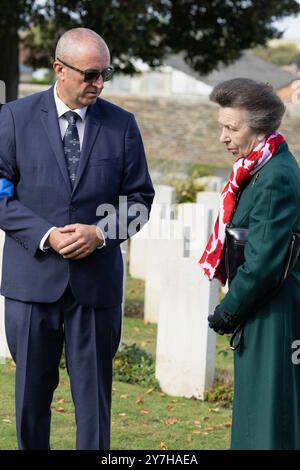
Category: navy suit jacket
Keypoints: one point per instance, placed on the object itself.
(31, 155)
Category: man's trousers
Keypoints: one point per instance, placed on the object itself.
(36, 334)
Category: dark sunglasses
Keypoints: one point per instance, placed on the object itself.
(91, 75)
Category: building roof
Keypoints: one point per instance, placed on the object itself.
(248, 65)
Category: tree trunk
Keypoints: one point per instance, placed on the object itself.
(9, 62)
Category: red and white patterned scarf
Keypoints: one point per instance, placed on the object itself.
(212, 260)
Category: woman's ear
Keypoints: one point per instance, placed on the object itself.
(260, 137)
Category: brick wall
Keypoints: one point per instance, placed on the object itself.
(186, 130)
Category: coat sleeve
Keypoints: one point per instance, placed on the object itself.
(271, 222)
(136, 192)
(18, 221)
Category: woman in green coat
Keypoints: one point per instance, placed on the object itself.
(263, 195)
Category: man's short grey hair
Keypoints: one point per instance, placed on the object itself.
(265, 108)
(72, 39)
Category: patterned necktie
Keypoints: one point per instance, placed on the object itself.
(72, 145)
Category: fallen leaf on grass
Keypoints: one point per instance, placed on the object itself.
(139, 400)
(62, 400)
(206, 418)
(198, 426)
(227, 424)
(122, 414)
(189, 438)
(214, 410)
(171, 421)
(124, 397)
(170, 407)
(60, 409)
(196, 423)
(145, 411)
(163, 446)
(222, 426)
(149, 391)
(6, 420)
(131, 291)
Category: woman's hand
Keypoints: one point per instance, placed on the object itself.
(217, 323)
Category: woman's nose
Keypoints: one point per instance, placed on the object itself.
(224, 137)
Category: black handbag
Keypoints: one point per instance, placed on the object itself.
(236, 239)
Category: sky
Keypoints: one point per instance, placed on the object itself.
(291, 25)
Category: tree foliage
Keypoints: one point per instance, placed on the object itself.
(207, 33)
(213, 32)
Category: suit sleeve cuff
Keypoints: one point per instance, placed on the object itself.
(101, 237)
(43, 240)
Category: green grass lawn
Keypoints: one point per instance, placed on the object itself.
(141, 418)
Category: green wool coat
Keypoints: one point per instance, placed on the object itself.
(266, 406)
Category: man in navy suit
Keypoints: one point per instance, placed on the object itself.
(80, 187)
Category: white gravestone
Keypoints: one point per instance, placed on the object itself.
(162, 208)
(212, 183)
(139, 243)
(4, 351)
(169, 245)
(210, 199)
(165, 195)
(185, 355)
(174, 239)
(194, 219)
(124, 251)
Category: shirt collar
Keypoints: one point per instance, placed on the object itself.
(62, 108)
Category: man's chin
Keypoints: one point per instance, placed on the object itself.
(89, 99)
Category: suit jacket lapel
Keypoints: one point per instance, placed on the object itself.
(50, 122)
(92, 128)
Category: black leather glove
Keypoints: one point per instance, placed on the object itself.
(217, 323)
